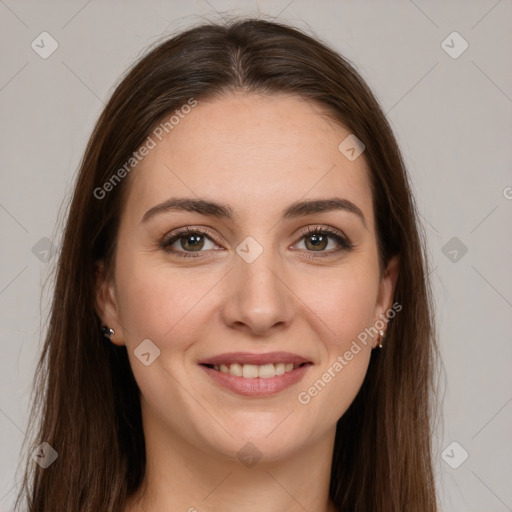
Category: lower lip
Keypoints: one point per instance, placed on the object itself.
(257, 387)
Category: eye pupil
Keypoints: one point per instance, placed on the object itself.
(190, 241)
(317, 240)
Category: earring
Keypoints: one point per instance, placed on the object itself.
(107, 331)
(381, 337)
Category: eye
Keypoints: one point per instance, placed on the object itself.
(188, 240)
(317, 238)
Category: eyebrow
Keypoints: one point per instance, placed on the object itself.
(224, 211)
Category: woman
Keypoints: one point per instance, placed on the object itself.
(241, 318)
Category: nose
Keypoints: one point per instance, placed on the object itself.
(258, 301)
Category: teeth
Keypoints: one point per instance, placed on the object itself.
(249, 371)
(252, 371)
(234, 369)
(267, 371)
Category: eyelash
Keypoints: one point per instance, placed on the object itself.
(344, 243)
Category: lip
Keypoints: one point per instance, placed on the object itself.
(256, 387)
(253, 358)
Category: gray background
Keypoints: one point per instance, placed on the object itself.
(452, 119)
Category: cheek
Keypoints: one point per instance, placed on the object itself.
(355, 306)
(168, 308)
(344, 302)
(346, 307)
(157, 302)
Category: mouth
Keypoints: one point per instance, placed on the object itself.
(253, 371)
(256, 374)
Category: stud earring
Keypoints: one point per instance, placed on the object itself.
(107, 331)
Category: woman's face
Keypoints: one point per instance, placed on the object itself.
(248, 293)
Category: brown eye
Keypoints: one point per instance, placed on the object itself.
(316, 242)
(187, 241)
(194, 242)
(325, 241)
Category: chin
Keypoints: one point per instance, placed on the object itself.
(262, 436)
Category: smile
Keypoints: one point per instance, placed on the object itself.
(256, 374)
(252, 371)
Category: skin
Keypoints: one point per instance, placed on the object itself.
(258, 154)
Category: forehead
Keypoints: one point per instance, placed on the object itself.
(257, 153)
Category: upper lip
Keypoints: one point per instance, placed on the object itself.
(257, 359)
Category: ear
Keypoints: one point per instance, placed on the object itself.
(387, 288)
(105, 303)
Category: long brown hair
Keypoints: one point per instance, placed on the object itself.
(86, 402)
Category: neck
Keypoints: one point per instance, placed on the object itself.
(180, 476)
